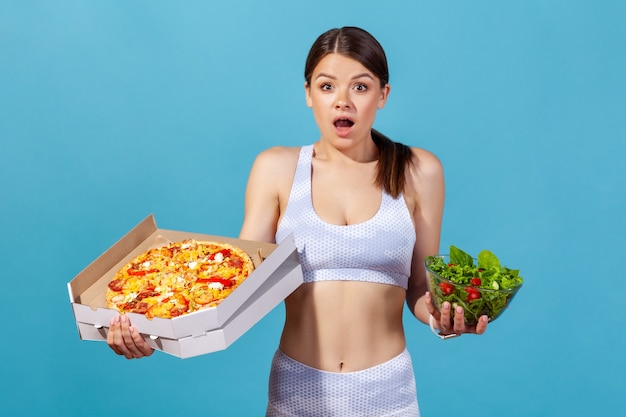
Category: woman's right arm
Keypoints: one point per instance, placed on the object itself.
(261, 212)
(271, 174)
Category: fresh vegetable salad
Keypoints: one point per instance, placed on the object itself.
(480, 285)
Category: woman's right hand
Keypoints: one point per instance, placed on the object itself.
(125, 340)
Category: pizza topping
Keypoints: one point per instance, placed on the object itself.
(218, 280)
(116, 285)
(146, 294)
(220, 255)
(202, 295)
(117, 298)
(141, 272)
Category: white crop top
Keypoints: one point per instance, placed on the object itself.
(377, 250)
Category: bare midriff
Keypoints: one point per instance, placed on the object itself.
(344, 326)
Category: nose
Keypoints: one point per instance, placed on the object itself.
(342, 105)
(342, 101)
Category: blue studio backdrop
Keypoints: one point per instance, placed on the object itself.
(112, 110)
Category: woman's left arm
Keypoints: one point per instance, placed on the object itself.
(426, 188)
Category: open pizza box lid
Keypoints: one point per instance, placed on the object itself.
(277, 273)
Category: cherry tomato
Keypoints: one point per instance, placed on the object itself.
(476, 281)
(446, 288)
(472, 293)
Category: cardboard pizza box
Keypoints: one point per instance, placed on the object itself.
(277, 274)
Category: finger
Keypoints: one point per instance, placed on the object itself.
(429, 303)
(481, 326)
(131, 351)
(141, 344)
(113, 334)
(444, 319)
(430, 307)
(110, 334)
(459, 320)
(435, 316)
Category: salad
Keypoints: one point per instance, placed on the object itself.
(480, 285)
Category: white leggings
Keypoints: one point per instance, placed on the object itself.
(298, 390)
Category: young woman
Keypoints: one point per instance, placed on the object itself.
(365, 212)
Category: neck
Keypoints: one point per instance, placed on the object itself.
(363, 151)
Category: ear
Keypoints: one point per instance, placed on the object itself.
(384, 94)
(307, 92)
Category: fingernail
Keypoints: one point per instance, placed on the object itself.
(446, 305)
(123, 319)
(459, 310)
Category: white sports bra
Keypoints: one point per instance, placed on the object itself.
(378, 250)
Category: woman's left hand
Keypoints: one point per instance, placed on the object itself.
(448, 326)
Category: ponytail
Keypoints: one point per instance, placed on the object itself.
(392, 161)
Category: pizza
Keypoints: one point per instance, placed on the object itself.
(178, 278)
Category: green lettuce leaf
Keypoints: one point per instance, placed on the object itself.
(487, 260)
(459, 257)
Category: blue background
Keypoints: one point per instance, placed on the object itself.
(111, 110)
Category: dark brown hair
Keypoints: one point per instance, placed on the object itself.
(361, 46)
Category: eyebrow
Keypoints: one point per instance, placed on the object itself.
(332, 77)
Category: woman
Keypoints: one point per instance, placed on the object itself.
(365, 212)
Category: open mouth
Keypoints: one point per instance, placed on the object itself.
(343, 123)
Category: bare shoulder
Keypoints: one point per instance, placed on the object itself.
(424, 180)
(273, 168)
(277, 159)
(280, 152)
(426, 166)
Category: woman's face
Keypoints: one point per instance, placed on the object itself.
(344, 96)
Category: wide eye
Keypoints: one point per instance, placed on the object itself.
(326, 87)
(360, 87)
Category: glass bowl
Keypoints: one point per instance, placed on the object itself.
(476, 301)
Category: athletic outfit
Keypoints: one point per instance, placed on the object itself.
(378, 250)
